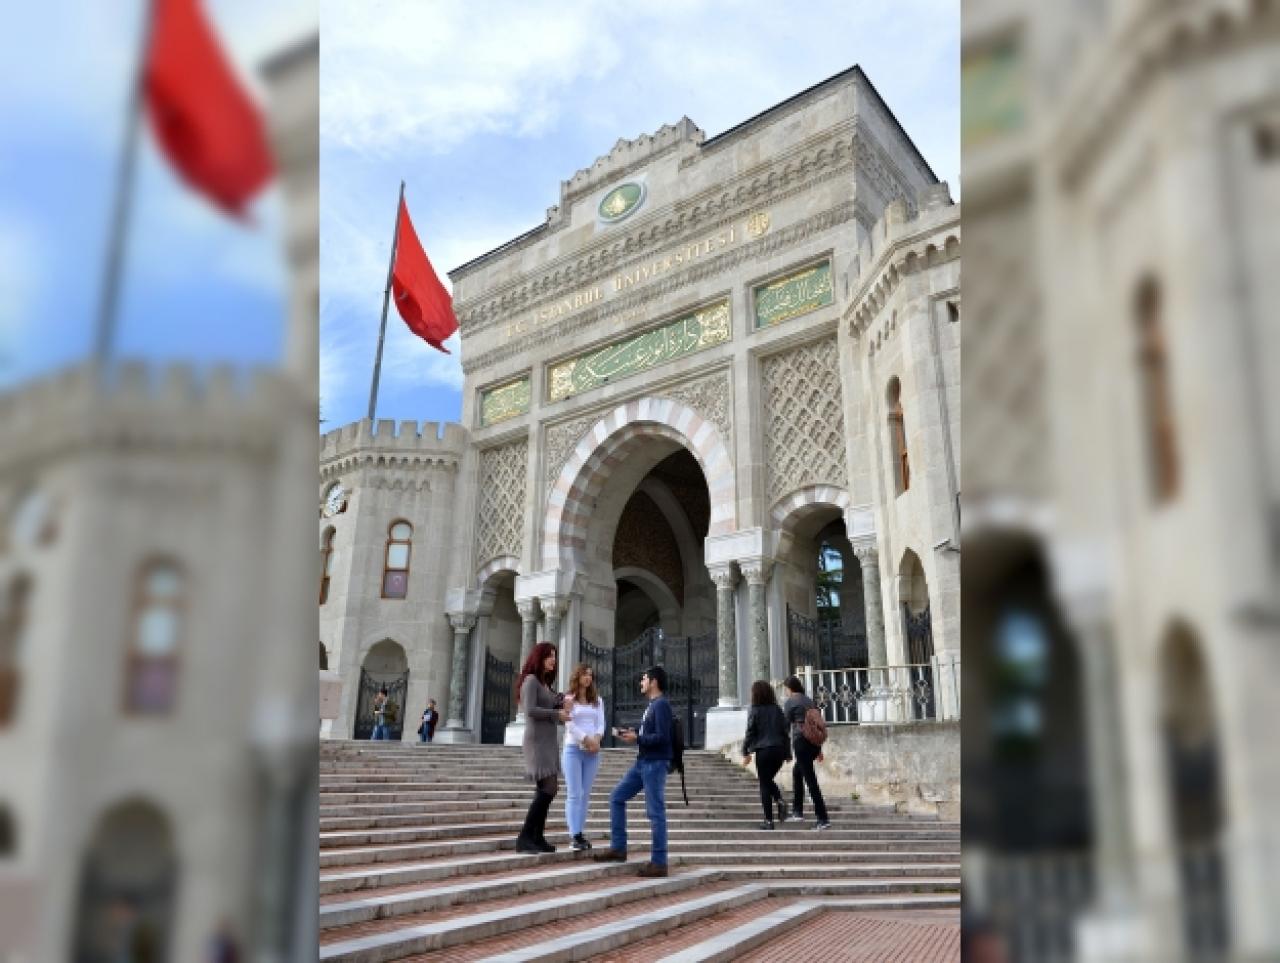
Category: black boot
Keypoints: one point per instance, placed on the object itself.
(543, 800)
(531, 839)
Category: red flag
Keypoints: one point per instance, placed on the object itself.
(421, 299)
(205, 122)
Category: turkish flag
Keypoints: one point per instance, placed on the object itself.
(420, 298)
(204, 121)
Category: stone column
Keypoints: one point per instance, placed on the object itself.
(727, 635)
(1124, 921)
(554, 607)
(756, 573)
(528, 609)
(869, 562)
(463, 623)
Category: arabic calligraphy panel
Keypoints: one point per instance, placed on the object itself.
(505, 401)
(796, 294)
(702, 329)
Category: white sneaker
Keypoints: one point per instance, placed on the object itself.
(795, 818)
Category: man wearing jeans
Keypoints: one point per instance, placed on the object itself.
(649, 773)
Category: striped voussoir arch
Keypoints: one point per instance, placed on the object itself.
(792, 508)
(606, 444)
(503, 563)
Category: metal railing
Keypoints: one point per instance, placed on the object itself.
(888, 693)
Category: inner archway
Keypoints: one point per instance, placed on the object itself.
(386, 666)
(502, 639)
(127, 887)
(822, 588)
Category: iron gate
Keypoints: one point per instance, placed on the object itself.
(495, 712)
(919, 632)
(693, 678)
(824, 644)
(397, 689)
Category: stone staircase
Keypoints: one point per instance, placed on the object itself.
(418, 862)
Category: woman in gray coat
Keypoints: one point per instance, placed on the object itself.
(541, 756)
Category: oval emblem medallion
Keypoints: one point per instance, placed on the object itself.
(621, 202)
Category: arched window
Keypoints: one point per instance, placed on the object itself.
(152, 670)
(898, 438)
(1153, 365)
(324, 658)
(395, 570)
(13, 623)
(326, 564)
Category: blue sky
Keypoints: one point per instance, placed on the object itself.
(485, 107)
(196, 286)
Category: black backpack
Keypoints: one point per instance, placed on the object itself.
(677, 754)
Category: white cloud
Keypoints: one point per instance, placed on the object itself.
(427, 76)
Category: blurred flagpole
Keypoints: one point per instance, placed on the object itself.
(386, 300)
(118, 229)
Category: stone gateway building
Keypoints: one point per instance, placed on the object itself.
(710, 418)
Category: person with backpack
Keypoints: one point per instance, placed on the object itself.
(430, 717)
(808, 733)
(768, 739)
(655, 739)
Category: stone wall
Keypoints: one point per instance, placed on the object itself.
(909, 768)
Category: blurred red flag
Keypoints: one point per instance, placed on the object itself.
(205, 122)
(421, 299)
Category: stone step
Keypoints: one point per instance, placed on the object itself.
(729, 829)
(463, 794)
(342, 911)
(390, 940)
(767, 845)
(371, 876)
(742, 811)
(436, 896)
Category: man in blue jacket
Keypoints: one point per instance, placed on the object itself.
(649, 773)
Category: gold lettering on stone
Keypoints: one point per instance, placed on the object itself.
(693, 332)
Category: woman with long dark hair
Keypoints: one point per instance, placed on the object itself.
(581, 757)
(538, 699)
(767, 738)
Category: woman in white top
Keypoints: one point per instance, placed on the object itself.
(581, 757)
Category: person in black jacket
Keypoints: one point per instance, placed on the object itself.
(767, 738)
(803, 774)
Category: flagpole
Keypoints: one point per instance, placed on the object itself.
(109, 296)
(386, 300)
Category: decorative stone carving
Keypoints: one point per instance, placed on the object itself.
(804, 419)
(500, 511)
(661, 290)
(709, 397)
(559, 442)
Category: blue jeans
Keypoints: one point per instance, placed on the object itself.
(651, 776)
(580, 768)
(380, 731)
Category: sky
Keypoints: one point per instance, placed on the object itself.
(196, 286)
(484, 106)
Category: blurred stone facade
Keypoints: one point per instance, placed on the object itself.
(1121, 488)
(157, 728)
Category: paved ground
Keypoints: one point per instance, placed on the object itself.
(929, 936)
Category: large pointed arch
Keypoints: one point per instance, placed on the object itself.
(605, 445)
